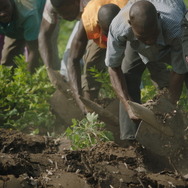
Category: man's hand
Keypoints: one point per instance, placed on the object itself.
(130, 112)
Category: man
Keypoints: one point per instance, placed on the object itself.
(94, 25)
(54, 10)
(20, 23)
(150, 31)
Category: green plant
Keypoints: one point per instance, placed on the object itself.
(87, 132)
(183, 102)
(148, 90)
(106, 90)
(24, 98)
(66, 28)
(186, 2)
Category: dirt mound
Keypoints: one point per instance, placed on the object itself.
(40, 162)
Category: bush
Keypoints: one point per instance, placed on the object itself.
(87, 132)
(24, 98)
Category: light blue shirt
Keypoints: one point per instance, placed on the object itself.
(171, 14)
(26, 20)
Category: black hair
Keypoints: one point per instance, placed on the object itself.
(106, 14)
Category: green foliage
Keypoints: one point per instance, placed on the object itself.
(183, 102)
(87, 132)
(64, 33)
(106, 90)
(186, 2)
(148, 90)
(24, 98)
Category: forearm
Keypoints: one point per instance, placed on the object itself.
(33, 60)
(46, 51)
(176, 86)
(33, 55)
(74, 72)
(119, 84)
(48, 43)
(77, 51)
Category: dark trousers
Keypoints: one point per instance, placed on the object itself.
(133, 68)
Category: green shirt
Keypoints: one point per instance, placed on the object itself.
(26, 20)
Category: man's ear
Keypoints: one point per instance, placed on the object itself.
(129, 22)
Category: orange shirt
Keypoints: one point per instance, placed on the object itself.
(89, 19)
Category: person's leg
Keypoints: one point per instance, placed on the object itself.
(133, 68)
(11, 48)
(94, 57)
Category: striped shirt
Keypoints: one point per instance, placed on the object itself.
(171, 14)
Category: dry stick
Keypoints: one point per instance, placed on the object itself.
(86, 165)
(141, 182)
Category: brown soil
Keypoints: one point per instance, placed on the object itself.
(43, 162)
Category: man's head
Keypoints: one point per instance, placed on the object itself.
(106, 14)
(144, 21)
(67, 9)
(6, 11)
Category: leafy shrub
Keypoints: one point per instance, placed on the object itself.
(148, 90)
(24, 98)
(87, 132)
(183, 102)
(106, 90)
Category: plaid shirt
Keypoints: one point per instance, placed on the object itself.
(171, 14)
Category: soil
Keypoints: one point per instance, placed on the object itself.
(32, 161)
(45, 162)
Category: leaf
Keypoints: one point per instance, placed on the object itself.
(92, 117)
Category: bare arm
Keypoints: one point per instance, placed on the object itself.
(33, 55)
(176, 86)
(119, 84)
(77, 50)
(48, 44)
